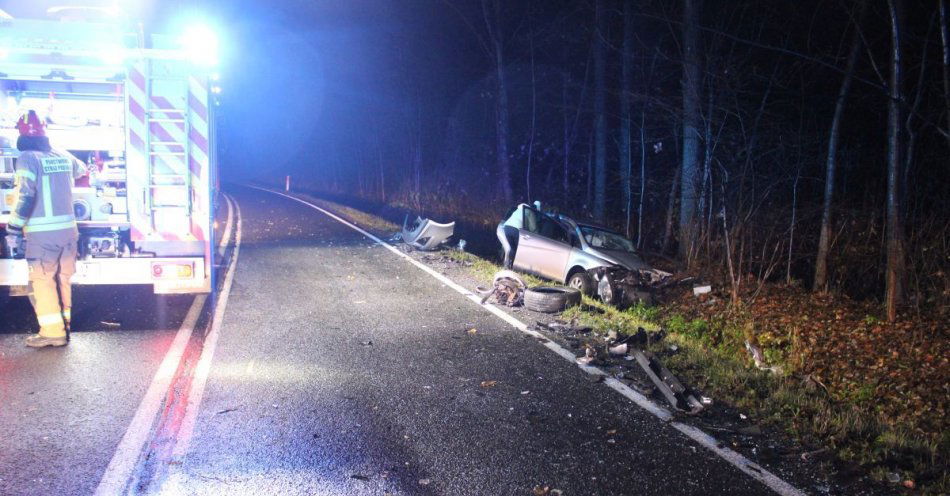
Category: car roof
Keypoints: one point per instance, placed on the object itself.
(585, 223)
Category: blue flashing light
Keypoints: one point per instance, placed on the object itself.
(200, 42)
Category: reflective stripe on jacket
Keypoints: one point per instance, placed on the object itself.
(48, 178)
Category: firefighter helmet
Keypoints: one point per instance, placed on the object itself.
(30, 124)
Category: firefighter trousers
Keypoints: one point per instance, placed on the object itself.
(51, 268)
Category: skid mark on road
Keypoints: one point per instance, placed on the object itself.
(203, 368)
(737, 460)
(121, 471)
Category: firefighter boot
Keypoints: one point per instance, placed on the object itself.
(38, 341)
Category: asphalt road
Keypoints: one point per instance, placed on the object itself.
(340, 369)
(64, 410)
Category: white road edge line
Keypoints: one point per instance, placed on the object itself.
(742, 463)
(119, 473)
(203, 367)
(226, 235)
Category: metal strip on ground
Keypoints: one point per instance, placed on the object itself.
(734, 458)
(121, 469)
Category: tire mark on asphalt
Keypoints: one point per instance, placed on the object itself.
(120, 474)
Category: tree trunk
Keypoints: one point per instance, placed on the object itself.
(565, 177)
(600, 117)
(626, 160)
(706, 181)
(501, 108)
(791, 227)
(824, 240)
(643, 174)
(534, 118)
(895, 245)
(670, 211)
(945, 40)
(691, 121)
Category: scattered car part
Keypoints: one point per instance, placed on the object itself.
(673, 390)
(618, 349)
(759, 359)
(507, 289)
(551, 299)
(589, 356)
(425, 234)
(699, 290)
(565, 327)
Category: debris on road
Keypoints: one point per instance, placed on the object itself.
(562, 327)
(110, 323)
(589, 356)
(425, 234)
(618, 350)
(676, 394)
(366, 343)
(488, 384)
(507, 289)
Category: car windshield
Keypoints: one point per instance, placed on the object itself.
(600, 238)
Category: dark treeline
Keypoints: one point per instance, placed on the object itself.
(803, 141)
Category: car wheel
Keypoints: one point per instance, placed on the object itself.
(551, 299)
(582, 282)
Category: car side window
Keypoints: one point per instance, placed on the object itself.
(531, 220)
(552, 230)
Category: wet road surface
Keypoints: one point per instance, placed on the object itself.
(339, 369)
(342, 369)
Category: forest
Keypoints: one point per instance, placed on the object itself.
(804, 142)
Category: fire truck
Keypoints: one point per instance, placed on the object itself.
(139, 110)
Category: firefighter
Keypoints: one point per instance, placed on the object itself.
(43, 213)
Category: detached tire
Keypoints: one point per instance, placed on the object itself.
(551, 299)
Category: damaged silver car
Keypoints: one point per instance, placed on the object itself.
(582, 255)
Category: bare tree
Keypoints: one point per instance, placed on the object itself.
(493, 24)
(534, 120)
(895, 246)
(626, 159)
(600, 117)
(945, 40)
(692, 80)
(824, 241)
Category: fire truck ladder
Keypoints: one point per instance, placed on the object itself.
(163, 148)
